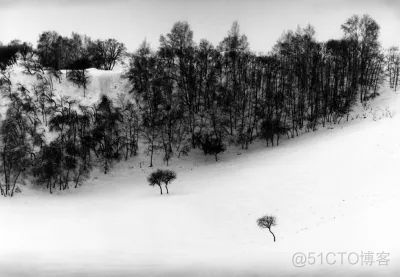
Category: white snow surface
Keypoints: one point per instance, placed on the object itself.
(333, 190)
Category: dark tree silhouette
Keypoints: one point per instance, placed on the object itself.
(8, 56)
(78, 74)
(106, 53)
(156, 178)
(212, 146)
(106, 133)
(267, 222)
(393, 67)
(144, 78)
(47, 166)
(167, 177)
(14, 149)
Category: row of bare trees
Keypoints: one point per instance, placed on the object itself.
(58, 52)
(197, 95)
(393, 67)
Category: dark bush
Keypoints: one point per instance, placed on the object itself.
(8, 56)
(212, 145)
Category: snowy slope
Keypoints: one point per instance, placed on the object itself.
(332, 190)
(100, 82)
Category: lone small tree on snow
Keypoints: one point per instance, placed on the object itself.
(156, 178)
(267, 222)
(167, 177)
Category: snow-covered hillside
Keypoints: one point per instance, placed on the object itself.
(99, 82)
(335, 190)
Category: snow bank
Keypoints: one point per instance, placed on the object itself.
(335, 190)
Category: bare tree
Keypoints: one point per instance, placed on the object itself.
(267, 221)
(78, 73)
(156, 178)
(14, 149)
(106, 53)
(167, 177)
(393, 66)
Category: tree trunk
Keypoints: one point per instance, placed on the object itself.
(151, 153)
(160, 189)
(1, 189)
(14, 184)
(272, 233)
